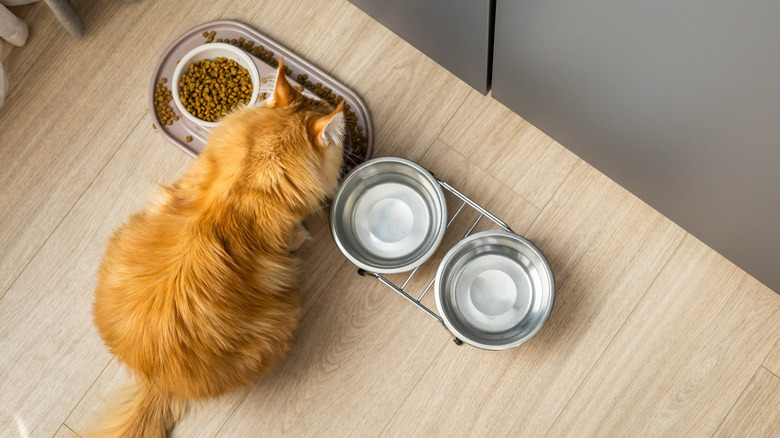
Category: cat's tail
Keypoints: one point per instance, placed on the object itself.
(139, 410)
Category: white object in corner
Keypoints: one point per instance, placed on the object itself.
(3, 78)
(12, 28)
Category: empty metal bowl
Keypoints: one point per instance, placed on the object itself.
(494, 290)
(389, 215)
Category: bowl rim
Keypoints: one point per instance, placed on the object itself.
(184, 63)
(438, 289)
(440, 230)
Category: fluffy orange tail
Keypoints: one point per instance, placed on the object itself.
(139, 411)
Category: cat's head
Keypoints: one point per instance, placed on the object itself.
(290, 148)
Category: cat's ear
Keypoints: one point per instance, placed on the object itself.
(329, 130)
(283, 93)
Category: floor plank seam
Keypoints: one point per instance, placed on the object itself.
(411, 390)
(554, 194)
(601, 354)
(56, 227)
(733, 405)
(774, 348)
(67, 213)
(365, 25)
(565, 178)
(230, 415)
(770, 371)
(26, 265)
(446, 124)
(73, 431)
(65, 422)
(14, 85)
(679, 245)
(501, 183)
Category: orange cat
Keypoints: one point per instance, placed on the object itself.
(196, 295)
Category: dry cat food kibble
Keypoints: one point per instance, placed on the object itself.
(212, 88)
(359, 142)
(162, 103)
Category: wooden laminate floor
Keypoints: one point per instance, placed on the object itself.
(652, 334)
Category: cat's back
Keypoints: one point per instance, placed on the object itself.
(139, 277)
(172, 304)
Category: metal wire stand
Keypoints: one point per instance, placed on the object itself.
(401, 290)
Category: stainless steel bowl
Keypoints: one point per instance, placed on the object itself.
(389, 215)
(494, 290)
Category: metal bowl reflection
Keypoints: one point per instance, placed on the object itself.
(389, 215)
(494, 290)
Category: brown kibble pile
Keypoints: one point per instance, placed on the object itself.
(209, 36)
(162, 103)
(359, 142)
(212, 88)
(249, 46)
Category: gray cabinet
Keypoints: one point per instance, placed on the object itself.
(454, 33)
(677, 101)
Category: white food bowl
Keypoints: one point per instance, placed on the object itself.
(211, 51)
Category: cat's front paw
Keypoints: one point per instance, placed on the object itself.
(298, 237)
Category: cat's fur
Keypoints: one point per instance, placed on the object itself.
(196, 295)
